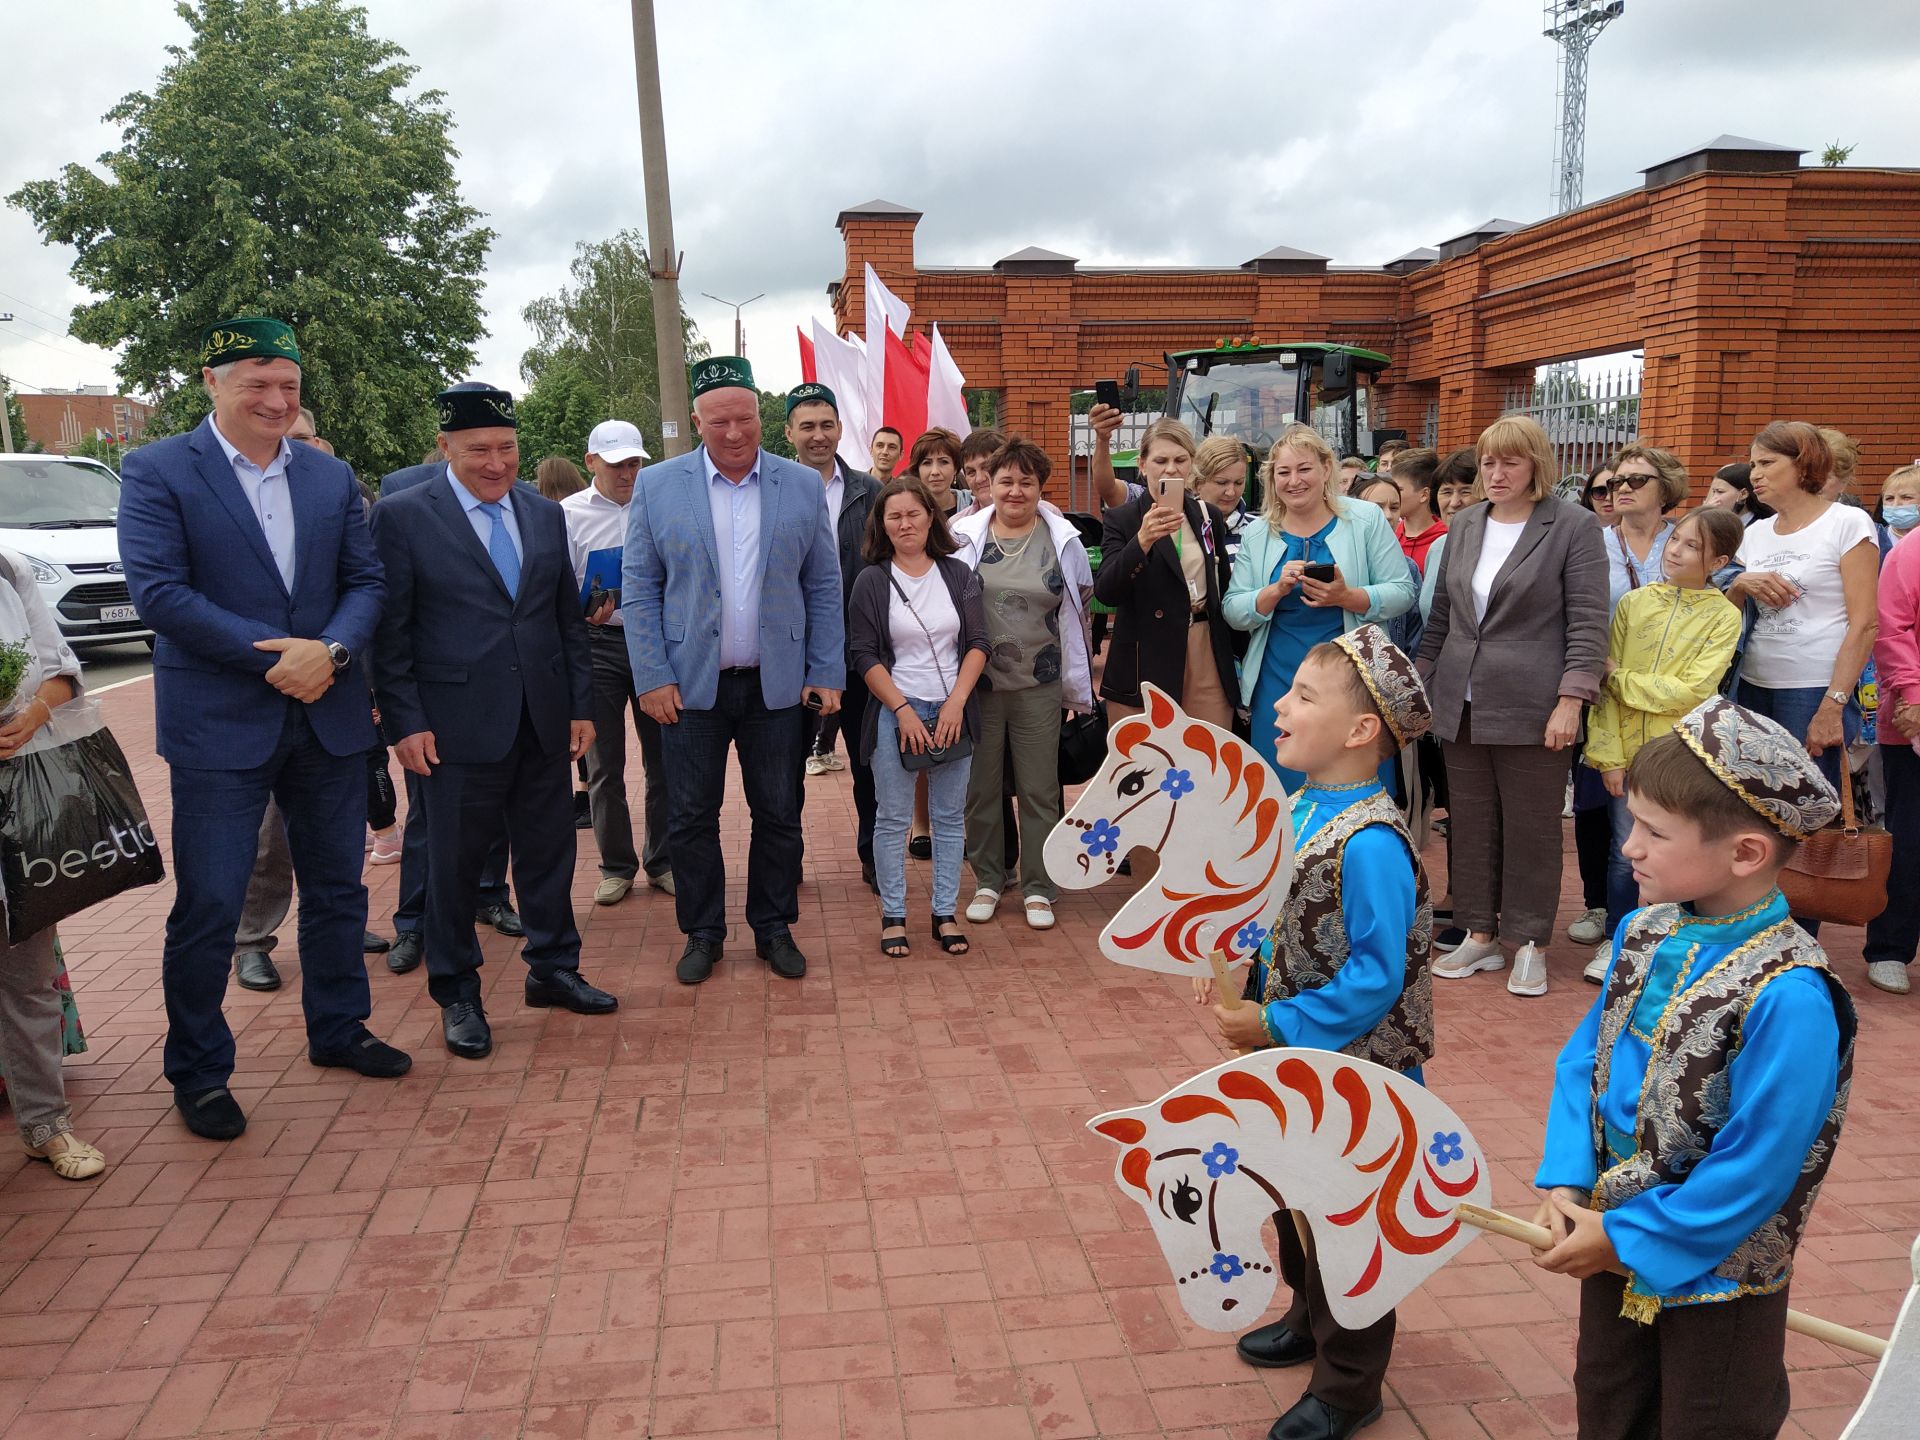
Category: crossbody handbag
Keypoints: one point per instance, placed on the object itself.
(1839, 874)
(933, 755)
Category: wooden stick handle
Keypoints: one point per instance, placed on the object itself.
(1540, 1238)
(1224, 984)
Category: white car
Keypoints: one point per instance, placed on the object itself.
(60, 514)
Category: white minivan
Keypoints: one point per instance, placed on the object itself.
(61, 513)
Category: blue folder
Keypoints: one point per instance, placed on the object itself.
(603, 570)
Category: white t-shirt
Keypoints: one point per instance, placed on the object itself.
(1792, 648)
(916, 670)
(1501, 536)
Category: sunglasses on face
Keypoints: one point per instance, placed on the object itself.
(1633, 482)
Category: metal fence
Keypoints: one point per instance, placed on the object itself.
(1586, 417)
(1080, 495)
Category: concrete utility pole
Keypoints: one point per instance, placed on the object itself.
(676, 422)
(739, 334)
(6, 424)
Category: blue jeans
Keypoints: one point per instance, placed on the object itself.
(893, 816)
(1623, 896)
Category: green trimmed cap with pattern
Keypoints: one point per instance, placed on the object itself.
(721, 372)
(248, 337)
(811, 393)
(474, 405)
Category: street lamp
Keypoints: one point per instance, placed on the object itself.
(739, 337)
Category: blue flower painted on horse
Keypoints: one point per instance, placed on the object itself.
(1177, 783)
(1249, 936)
(1223, 1159)
(1101, 838)
(1446, 1147)
(1226, 1268)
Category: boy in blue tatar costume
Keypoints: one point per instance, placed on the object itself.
(1345, 970)
(1697, 1107)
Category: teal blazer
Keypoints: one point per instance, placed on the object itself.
(1364, 547)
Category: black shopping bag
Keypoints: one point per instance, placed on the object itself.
(73, 832)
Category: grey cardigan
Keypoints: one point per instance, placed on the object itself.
(870, 635)
(1544, 635)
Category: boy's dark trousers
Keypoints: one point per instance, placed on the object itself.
(1699, 1372)
(1348, 1365)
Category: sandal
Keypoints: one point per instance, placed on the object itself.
(894, 946)
(71, 1157)
(952, 944)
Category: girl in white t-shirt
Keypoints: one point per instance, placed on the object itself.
(1811, 570)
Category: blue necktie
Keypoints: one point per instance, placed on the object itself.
(500, 546)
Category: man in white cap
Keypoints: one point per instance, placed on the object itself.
(596, 533)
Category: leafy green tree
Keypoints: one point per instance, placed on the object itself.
(279, 166)
(773, 424)
(558, 413)
(602, 324)
(1836, 154)
(93, 447)
(16, 418)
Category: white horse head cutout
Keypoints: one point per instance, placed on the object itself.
(1215, 814)
(1373, 1161)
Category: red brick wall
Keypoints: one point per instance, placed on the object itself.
(1752, 296)
(45, 416)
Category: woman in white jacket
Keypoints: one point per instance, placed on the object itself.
(1035, 580)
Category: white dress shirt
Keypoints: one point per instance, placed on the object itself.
(481, 521)
(593, 523)
(736, 534)
(267, 492)
(836, 494)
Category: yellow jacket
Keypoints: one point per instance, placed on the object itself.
(1669, 650)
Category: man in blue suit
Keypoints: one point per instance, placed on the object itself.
(731, 595)
(250, 560)
(494, 905)
(485, 686)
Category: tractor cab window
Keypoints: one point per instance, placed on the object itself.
(1250, 401)
(1344, 418)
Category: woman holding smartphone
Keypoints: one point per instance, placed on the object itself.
(1321, 565)
(1164, 570)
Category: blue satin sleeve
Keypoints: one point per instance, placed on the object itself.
(1781, 1088)
(1568, 1156)
(1376, 906)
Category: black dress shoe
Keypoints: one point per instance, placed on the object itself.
(921, 847)
(1274, 1347)
(502, 918)
(372, 944)
(212, 1114)
(1313, 1419)
(697, 961)
(568, 990)
(254, 970)
(783, 957)
(364, 1054)
(407, 952)
(465, 1026)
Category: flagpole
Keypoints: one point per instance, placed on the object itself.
(663, 261)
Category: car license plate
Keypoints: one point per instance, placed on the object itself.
(118, 612)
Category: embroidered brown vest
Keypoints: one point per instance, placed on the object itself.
(1684, 1102)
(1310, 936)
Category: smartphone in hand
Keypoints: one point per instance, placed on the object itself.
(1322, 573)
(1107, 392)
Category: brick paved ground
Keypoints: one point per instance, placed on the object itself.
(862, 1206)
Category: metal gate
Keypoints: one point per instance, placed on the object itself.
(1586, 416)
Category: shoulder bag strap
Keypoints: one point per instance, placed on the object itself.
(932, 644)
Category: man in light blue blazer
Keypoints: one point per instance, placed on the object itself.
(250, 559)
(731, 597)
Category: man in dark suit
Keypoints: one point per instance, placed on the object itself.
(493, 904)
(250, 560)
(485, 686)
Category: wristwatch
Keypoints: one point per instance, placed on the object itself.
(341, 657)
(1839, 697)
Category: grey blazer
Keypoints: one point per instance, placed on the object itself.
(1545, 632)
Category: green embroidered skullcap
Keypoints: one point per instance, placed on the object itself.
(720, 372)
(475, 405)
(811, 393)
(248, 337)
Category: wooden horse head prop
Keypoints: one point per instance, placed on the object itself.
(1214, 813)
(1374, 1162)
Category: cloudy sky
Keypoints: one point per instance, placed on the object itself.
(1200, 133)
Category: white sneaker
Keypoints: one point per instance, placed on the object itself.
(1469, 957)
(1039, 913)
(1596, 971)
(832, 761)
(1890, 976)
(1529, 975)
(1590, 928)
(980, 909)
(816, 764)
